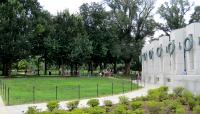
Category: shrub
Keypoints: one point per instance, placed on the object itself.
(182, 100)
(123, 100)
(154, 107)
(96, 110)
(32, 110)
(187, 95)
(72, 105)
(56, 111)
(136, 104)
(77, 111)
(172, 105)
(119, 109)
(159, 94)
(178, 91)
(180, 110)
(138, 111)
(52, 105)
(93, 102)
(142, 98)
(196, 110)
(192, 103)
(197, 98)
(108, 103)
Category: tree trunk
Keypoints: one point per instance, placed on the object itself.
(91, 68)
(38, 65)
(104, 65)
(76, 70)
(101, 67)
(127, 68)
(3, 70)
(62, 68)
(88, 68)
(71, 70)
(59, 66)
(45, 66)
(115, 68)
(7, 69)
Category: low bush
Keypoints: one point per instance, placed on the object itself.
(196, 110)
(180, 110)
(138, 111)
(171, 105)
(123, 100)
(119, 109)
(136, 104)
(56, 111)
(187, 95)
(142, 98)
(77, 111)
(154, 107)
(197, 98)
(178, 91)
(159, 94)
(108, 103)
(96, 110)
(72, 105)
(52, 105)
(93, 102)
(32, 110)
(182, 100)
(192, 103)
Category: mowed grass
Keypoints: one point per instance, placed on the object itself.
(21, 90)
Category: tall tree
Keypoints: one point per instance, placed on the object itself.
(43, 28)
(173, 13)
(15, 31)
(70, 42)
(134, 21)
(195, 17)
(94, 16)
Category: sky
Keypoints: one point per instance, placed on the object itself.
(54, 6)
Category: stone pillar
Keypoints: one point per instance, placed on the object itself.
(178, 57)
(145, 68)
(192, 56)
(165, 56)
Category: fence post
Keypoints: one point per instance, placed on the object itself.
(1, 86)
(5, 91)
(97, 89)
(131, 86)
(112, 88)
(79, 92)
(56, 92)
(8, 96)
(2, 89)
(123, 87)
(33, 94)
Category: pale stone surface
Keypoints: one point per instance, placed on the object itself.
(169, 68)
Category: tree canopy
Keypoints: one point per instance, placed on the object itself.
(94, 37)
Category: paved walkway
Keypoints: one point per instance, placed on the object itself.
(19, 109)
(3, 109)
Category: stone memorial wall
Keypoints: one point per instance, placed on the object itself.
(174, 60)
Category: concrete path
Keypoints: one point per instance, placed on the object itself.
(3, 109)
(19, 109)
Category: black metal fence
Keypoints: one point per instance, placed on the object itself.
(38, 94)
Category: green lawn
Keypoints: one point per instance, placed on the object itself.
(21, 89)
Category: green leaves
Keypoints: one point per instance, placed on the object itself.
(173, 13)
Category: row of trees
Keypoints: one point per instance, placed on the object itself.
(93, 37)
